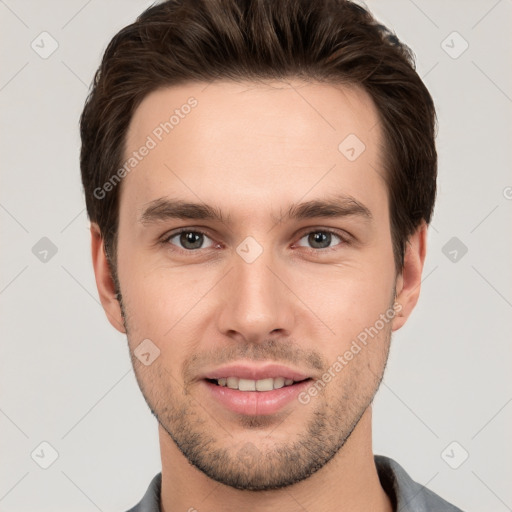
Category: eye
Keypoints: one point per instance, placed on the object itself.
(189, 239)
(192, 240)
(321, 238)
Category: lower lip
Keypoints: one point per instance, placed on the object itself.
(254, 403)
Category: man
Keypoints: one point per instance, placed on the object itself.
(259, 178)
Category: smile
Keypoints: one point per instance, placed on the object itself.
(254, 385)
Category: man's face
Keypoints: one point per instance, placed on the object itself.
(261, 288)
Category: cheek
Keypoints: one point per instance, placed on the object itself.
(347, 300)
(166, 305)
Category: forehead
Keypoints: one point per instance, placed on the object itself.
(236, 141)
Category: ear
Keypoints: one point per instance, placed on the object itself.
(104, 280)
(408, 283)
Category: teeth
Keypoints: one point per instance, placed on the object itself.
(279, 382)
(264, 384)
(247, 385)
(255, 385)
(232, 382)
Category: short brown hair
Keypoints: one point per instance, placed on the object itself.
(330, 41)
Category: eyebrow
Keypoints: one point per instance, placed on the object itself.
(336, 206)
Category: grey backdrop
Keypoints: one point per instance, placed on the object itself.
(444, 409)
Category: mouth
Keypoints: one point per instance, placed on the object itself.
(241, 396)
(254, 389)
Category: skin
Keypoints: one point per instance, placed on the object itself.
(253, 149)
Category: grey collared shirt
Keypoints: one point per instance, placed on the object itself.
(405, 494)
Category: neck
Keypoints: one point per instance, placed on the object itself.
(348, 482)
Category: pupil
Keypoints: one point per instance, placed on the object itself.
(319, 237)
(189, 237)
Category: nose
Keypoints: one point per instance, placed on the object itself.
(256, 301)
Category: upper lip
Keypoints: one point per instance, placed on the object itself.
(253, 372)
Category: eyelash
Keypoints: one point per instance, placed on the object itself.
(345, 239)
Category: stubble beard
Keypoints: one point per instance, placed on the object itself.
(247, 465)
